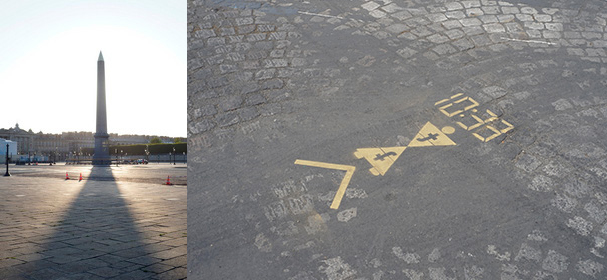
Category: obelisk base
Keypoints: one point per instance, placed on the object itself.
(102, 150)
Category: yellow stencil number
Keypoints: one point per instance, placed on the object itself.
(459, 105)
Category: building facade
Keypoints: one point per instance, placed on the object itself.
(129, 139)
(67, 144)
(23, 137)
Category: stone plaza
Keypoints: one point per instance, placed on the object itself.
(118, 222)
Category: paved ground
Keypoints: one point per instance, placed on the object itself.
(468, 136)
(118, 223)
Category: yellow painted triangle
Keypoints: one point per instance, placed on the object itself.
(380, 158)
(430, 135)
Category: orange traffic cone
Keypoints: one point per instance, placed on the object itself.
(168, 180)
(80, 177)
(67, 177)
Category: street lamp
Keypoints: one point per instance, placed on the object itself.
(7, 174)
(147, 153)
(174, 155)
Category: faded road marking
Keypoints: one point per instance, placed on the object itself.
(320, 15)
(346, 215)
(336, 269)
(529, 41)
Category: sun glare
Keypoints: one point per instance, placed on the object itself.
(55, 85)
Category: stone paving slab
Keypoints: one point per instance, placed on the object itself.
(52, 228)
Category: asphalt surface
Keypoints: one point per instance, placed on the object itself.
(503, 181)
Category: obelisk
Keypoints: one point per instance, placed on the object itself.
(102, 153)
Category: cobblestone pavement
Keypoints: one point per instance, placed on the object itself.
(103, 227)
(520, 196)
(153, 173)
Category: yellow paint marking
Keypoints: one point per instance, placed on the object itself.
(479, 137)
(510, 126)
(472, 105)
(447, 130)
(430, 135)
(380, 158)
(460, 110)
(489, 138)
(452, 97)
(478, 123)
(442, 109)
(344, 183)
(492, 118)
(496, 132)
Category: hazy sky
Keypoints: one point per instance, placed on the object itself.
(48, 65)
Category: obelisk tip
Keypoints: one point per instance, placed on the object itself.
(100, 56)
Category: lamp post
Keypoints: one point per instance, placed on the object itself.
(7, 174)
(147, 154)
(174, 155)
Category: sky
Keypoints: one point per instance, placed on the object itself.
(48, 65)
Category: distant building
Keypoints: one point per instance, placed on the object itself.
(60, 146)
(12, 149)
(50, 144)
(129, 139)
(23, 137)
(78, 140)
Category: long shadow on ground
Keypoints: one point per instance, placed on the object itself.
(97, 238)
